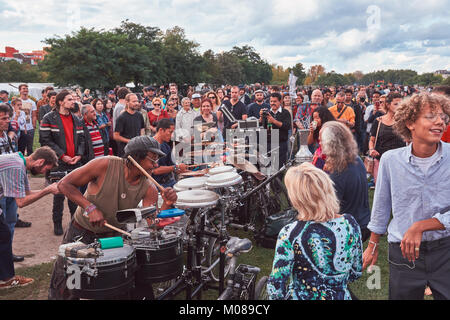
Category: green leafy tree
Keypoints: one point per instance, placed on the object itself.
(254, 68)
(182, 60)
(13, 71)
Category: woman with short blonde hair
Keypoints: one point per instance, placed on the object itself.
(321, 252)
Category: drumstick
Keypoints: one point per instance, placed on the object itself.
(197, 165)
(117, 229)
(146, 173)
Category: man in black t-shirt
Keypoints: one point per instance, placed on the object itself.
(129, 124)
(236, 107)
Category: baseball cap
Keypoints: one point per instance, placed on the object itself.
(196, 95)
(149, 88)
(111, 92)
(259, 91)
(144, 143)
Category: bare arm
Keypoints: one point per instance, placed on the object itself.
(119, 138)
(32, 196)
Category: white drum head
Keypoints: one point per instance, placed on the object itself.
(221, 169)
(190, 183)
(223, 180)
(196, 198)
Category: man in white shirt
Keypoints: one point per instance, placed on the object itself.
(29, 107)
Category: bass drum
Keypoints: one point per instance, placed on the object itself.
(159, 256)
(110, 276)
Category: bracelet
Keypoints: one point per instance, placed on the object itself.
(374, 247)
(89, 209)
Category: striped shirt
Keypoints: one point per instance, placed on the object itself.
(97, 141)
(13, 176)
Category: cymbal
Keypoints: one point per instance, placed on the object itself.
(242, 163)
(197, 173)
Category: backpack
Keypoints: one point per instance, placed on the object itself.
(273, 224)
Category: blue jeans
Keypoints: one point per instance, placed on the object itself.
(9, 208)
(6, 257)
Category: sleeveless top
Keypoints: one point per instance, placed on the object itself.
(114, 194)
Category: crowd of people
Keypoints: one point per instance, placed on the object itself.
(402, 129)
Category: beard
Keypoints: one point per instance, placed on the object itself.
(36, 170)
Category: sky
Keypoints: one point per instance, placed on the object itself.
(343, 36)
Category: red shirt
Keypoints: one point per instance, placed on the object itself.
(67, 122)
(446, 135)
(153, 119)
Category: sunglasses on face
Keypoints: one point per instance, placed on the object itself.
(156, 104)
(154, 161)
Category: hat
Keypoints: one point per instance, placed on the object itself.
(111, 92)
(149, 88)
(259, 91)
(143, 143)
(196, 95)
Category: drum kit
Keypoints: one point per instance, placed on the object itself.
(153, 252)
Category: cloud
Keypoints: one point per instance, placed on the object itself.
(343, 36)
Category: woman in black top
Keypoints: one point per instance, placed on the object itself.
(387, 139)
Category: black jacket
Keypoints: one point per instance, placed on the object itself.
(51, 133)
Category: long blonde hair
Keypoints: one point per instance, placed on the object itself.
(311, 192)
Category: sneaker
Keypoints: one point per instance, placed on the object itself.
(22, 224)
(16, 281)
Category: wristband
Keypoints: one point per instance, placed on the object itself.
(375, 244)
(89, 209)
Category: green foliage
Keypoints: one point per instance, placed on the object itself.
(13, 71)
(280, 75)
(101, 59)
(446, 82)
(299, 72)
(389, 76)
(426, 79)
(333, 79)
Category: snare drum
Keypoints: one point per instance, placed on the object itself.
(159, 256)
(110, 275)
(223, 180)
(190, 184)
(196, 199)
(221, 169)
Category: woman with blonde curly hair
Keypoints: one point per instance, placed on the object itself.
(347, 171)
(413, 188)
(321, 252)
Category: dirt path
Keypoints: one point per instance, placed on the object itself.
(38, 243)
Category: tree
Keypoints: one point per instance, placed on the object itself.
(13, 71)
(230, 69)
(315, 71)
(299, 72)
(182, 60)
(280, 75)
(332, 79)
(99, 60)
(254, 68)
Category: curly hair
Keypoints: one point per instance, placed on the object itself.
(411, 108)
(338, 145)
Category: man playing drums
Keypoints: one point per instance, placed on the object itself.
(113, 184)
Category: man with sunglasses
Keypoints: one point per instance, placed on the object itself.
(413, 188)
(342, 112)
(112, 184)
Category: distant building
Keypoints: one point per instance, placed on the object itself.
(30, 58)
(444, 73)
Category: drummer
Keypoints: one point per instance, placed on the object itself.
(113, 184)
(165, 173)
